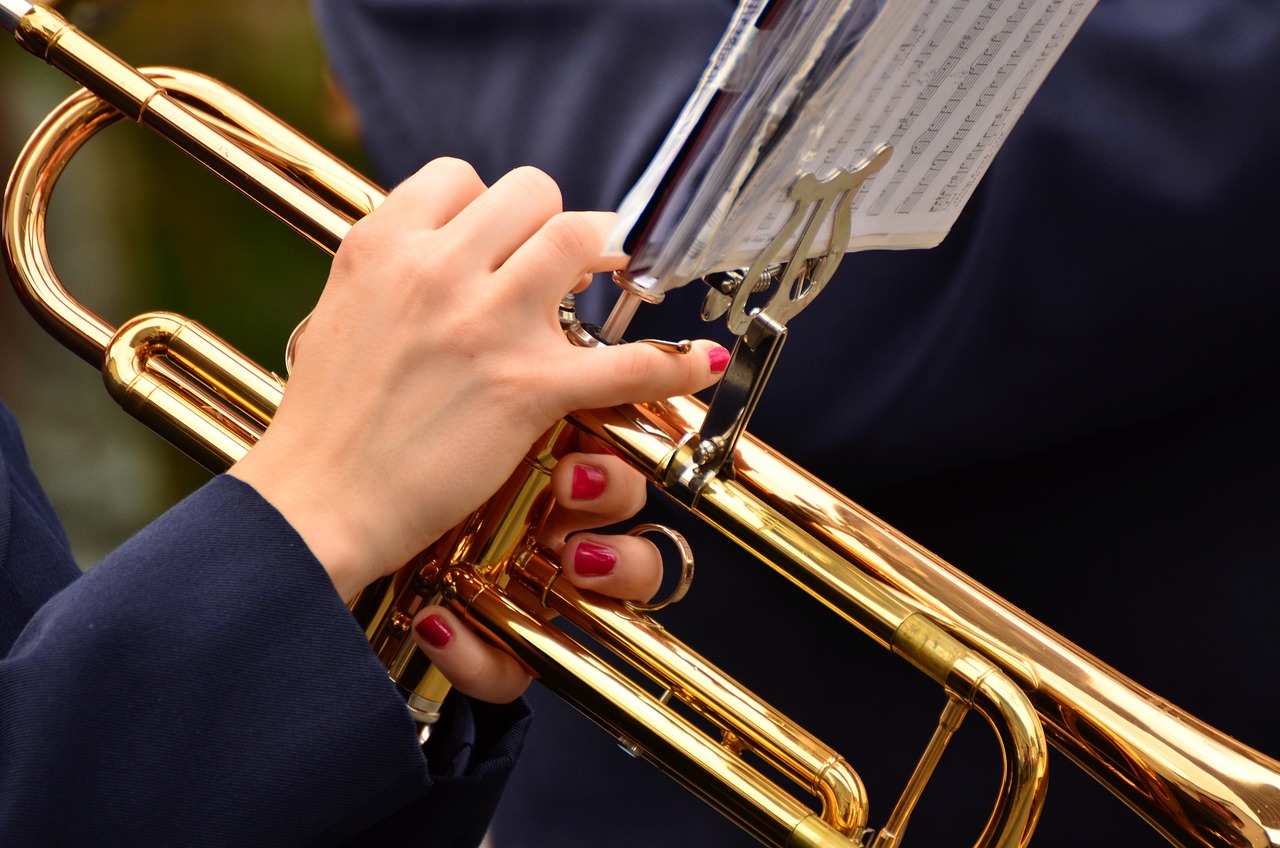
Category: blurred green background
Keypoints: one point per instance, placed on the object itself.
(136, 226)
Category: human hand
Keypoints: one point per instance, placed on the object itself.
(590, 490)
(434, 359)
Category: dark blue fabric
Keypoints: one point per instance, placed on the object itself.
(204, 685)
(28, 527)
(1074, 397)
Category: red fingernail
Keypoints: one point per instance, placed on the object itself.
(434, 631)
(588, 482)
(592, 560)
(719, 358)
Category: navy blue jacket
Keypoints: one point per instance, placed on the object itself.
(204, 685)
(1074, 397)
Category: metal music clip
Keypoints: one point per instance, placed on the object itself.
(797, 280)
(790, 285)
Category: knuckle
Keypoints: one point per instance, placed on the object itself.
(450, 168)
(362, 235)
(537, 186)
(571, 238)
(439, 257)
(629, 489)
(366, 240)
(643, 370)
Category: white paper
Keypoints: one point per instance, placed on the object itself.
(942, 81)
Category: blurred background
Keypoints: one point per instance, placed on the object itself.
(137, 226)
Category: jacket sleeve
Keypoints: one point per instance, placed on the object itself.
(204, 685)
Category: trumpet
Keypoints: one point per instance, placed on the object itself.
(1191, 782)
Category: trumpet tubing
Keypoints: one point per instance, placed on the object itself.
(1194, 784)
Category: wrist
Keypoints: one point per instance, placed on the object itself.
(334, 535)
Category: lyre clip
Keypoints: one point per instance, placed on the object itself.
(789, 266)
(793, 282)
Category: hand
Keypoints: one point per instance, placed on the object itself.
(434, 359)
(591, 490)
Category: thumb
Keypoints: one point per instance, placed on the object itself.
(635, 373)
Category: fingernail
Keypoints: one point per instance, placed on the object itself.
(433, 629)
(592, 560)
(588, 482)
(719, 358)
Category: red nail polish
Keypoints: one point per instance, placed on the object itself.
(592, 560)
(588, 482)
(433, 629)
(719, 358)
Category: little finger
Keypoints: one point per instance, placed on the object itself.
(473, 666)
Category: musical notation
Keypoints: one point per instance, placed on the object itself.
(802, 87)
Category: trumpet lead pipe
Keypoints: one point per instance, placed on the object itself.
(12, 11)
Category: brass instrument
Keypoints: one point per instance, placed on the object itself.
(1194, 784)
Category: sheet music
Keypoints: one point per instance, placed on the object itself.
(942, 81)
(755, 76)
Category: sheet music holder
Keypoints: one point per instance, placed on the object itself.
(819, 127)
(811, 88)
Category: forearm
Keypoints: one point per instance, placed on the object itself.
(203, 685)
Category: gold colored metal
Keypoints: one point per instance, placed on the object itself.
(1196, 785)
(948, 723)
(686, 567)
(1193, 783)
(682, 346)
(709, 693)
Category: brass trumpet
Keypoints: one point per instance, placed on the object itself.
(1193, 783)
